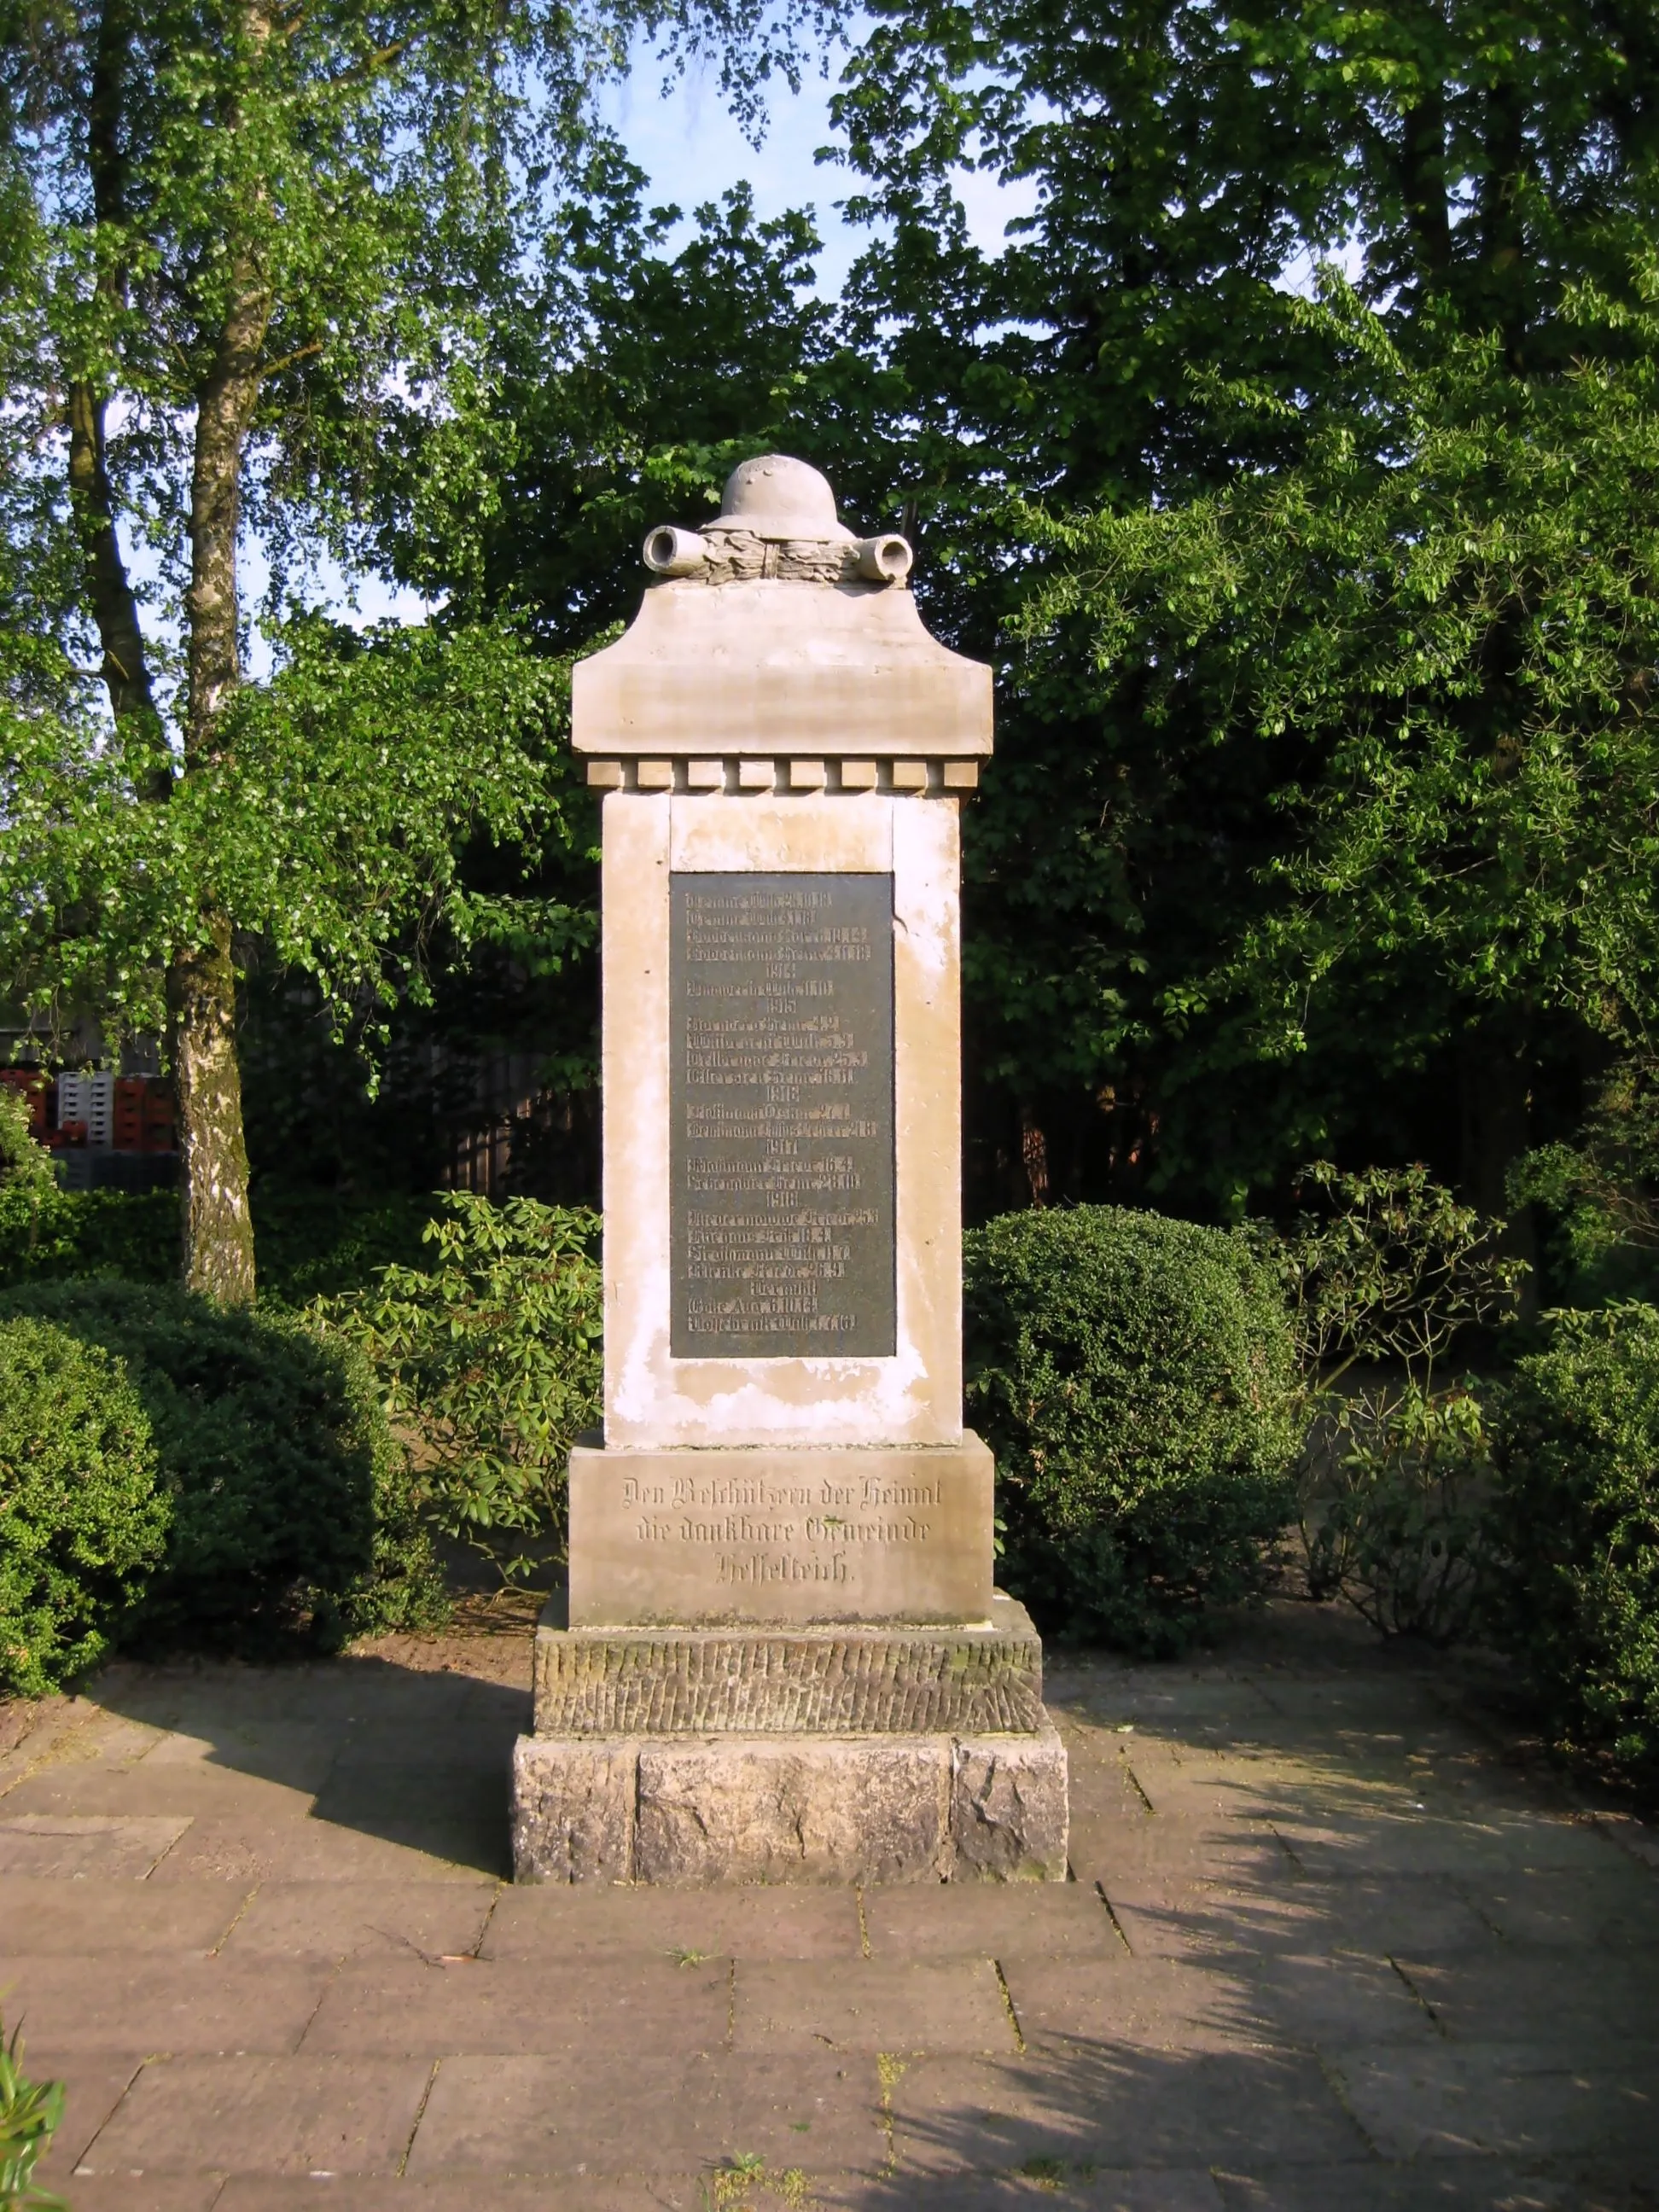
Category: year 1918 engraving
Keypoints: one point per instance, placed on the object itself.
(781, 1098)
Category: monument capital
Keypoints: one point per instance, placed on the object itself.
(773, 641)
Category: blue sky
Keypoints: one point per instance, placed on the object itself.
(692, 150)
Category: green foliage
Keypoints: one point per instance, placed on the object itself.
(1576, 1509)
(292, 1507)
(491, 1358)
(1135, 1378)
(323, 1243)
(1381, 1281)
(1603, 1190)
(633, 378)
(82, 1521)
(244, 244)
(1392, 1269)
(1445, 608)
(131, 1235)
(25, 1166)
(1135, 346)
(312, 1242)
(329, 824)
(1396, 1522)
(31, 2113)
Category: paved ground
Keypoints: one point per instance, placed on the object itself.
(1327, 1946)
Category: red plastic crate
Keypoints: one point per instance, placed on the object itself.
(130, 1120)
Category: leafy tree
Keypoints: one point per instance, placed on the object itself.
(1472, 163)
(630, 380)
(242, 238)
(1446, 607)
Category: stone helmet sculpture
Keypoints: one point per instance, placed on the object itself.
(778, 519)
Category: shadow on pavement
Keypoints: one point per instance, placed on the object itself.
(411, 1755)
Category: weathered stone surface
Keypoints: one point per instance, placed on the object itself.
(913, 1395)
(1009, 1820)
(761, 1809)
(683, 1538)
(841, 1681)
(698, 1812)
(725, 671)
(573, 1810)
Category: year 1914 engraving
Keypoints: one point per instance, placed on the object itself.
(781, 1098)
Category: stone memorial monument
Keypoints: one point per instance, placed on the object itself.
(783, 1658)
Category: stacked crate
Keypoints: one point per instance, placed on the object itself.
(113, 1130)
(89, 1100)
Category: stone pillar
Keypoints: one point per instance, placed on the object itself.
(783, 1658)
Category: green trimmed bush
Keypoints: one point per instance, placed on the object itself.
(1136, 1378)
(293, 1508)
(1575, 1442)
(82, 1521)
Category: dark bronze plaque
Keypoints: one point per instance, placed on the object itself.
(780, 1090)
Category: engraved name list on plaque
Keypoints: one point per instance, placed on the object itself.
(781, 1104)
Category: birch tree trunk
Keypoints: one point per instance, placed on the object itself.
(217, 1226)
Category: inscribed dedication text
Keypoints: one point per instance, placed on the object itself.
(781, 1100)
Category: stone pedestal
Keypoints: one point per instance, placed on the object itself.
(817, 1754)
(782, 1659)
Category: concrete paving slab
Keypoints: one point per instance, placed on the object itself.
(323, 1921)
(1111, 1850)
(411, 1749)
(481, 2007)
(1472, 1850)
(1564, 1998)
(460, 2193)
(1508, 2098)
(197, 1788)
(870, 2005)
(1174, 2003)
(297, 1755)
(1118, 2105)
(102, 1914)
(1310, 1821)
(660, 2115)
(285, 2115)
(60, 1843)
(130, 2003)
(1377, 1915)
(1052, 2183)
(297, 1849)
(545, 1922)
(93, 2088)
(1610, 1910)
(145, 2192)
(1036, 1920)
(1461, 2185)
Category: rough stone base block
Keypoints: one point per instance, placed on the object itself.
(774, 1681)
(695, 1812)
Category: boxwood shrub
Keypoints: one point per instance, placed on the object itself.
(291, 1506)
(1136, 1378)
(1575, 1513)
(82, 1521)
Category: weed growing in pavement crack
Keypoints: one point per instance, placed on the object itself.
(738, 2184)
